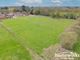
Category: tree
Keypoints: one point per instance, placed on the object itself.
(25, 8)
(37, 12)
(4, 9)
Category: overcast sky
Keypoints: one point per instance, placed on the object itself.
(40, 2)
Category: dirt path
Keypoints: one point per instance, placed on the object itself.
(56, 52)
(19, 40)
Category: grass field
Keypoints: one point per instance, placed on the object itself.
(36, 32)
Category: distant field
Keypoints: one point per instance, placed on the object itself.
(37, 32)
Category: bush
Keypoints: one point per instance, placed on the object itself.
(71, 36)
(68, 39)
(37, 12)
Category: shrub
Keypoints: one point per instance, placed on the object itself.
(68, 39)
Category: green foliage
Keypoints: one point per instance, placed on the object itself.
(37, 12)
(58, 13)
(68, 13)
(25, 8)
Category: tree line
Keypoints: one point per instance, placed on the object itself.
(54, 12)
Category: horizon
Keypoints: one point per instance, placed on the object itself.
(41, 3)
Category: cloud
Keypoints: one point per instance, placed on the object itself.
(18, 4)
(30, 1)
(57, 2)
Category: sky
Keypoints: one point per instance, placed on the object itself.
(40, 2)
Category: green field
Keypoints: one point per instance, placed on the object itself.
(35, 32)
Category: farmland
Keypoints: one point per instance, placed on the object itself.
(35, 32)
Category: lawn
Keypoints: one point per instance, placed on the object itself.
(10, 49)
(36, 32)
